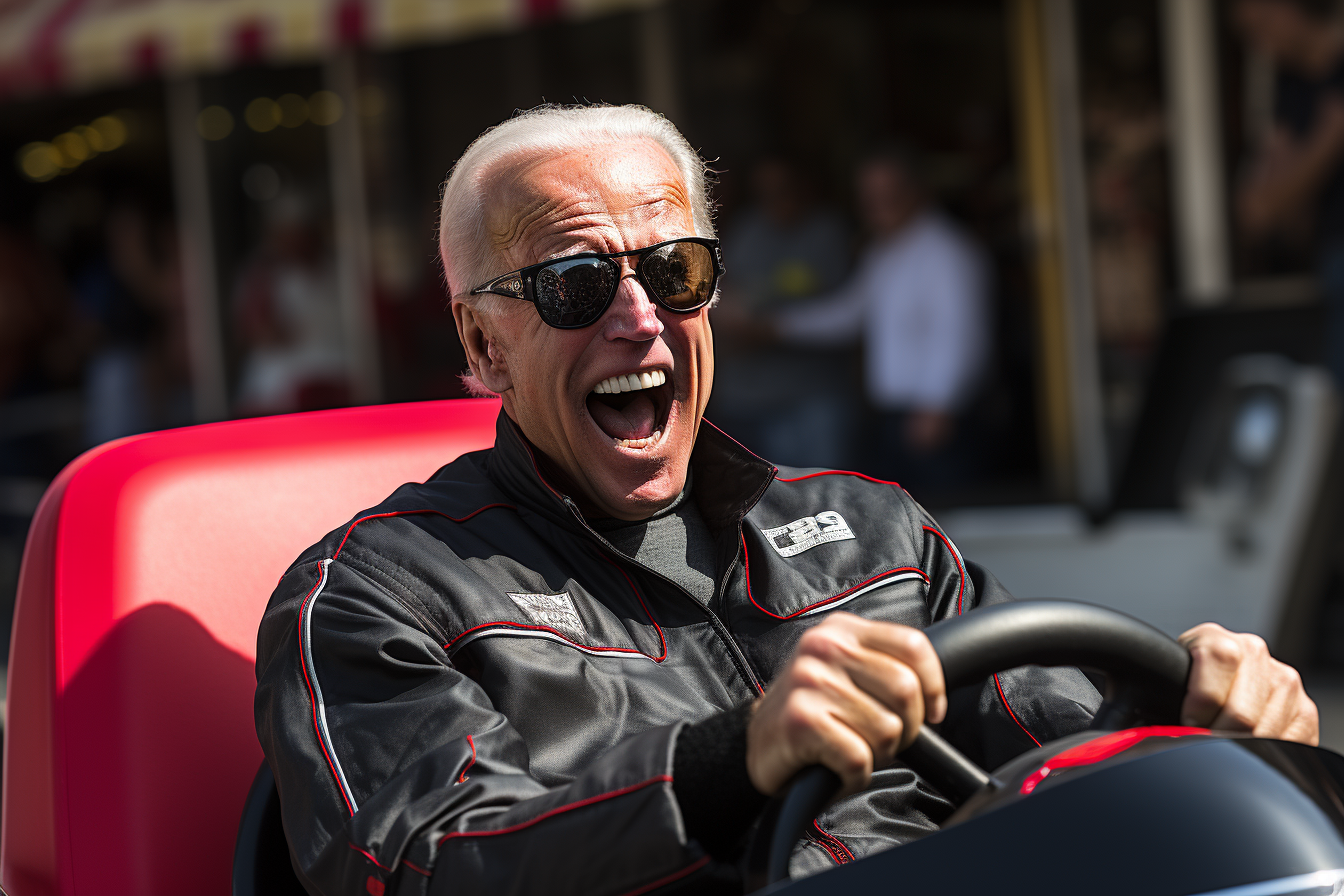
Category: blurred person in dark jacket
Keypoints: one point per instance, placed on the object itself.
(788, 247)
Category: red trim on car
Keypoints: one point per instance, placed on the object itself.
(375, 516)
(1004, 697)
(961, 572)
(674, 876)
(746, 572)
(462, 778)
(657, 779)
(1104, 747)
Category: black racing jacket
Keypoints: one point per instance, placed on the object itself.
(468, 690)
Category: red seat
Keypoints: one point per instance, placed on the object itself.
(130, 744)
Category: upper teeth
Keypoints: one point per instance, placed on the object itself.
(631, 382)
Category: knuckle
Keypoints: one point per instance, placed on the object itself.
(905, 684)
(890, 730)
(1221, 649)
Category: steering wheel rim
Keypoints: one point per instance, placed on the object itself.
(1146, 672)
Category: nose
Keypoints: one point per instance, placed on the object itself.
(632, 315)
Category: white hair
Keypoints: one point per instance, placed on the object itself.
(468, 257)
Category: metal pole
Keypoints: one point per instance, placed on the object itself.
(191, 188)
(1051, 163)
(1089, 433)
(1196, 154)
(354, 266)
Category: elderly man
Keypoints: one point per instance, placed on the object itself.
(577, 662)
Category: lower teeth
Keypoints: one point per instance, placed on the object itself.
(640, 443)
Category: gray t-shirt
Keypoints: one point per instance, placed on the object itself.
(674, 542)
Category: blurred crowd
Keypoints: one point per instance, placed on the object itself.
(866, 322)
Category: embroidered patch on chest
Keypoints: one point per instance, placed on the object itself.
(553, 611)
(808, 532)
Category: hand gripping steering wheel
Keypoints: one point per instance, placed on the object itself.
(1145, 672)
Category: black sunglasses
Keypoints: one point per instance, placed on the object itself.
(574, 291)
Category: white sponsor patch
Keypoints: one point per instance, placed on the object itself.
(808, 532)
(553, 611)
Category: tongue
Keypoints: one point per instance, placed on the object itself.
(634, 421)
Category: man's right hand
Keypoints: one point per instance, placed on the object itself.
(853, 695)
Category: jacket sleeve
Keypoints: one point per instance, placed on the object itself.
(1017, 709)
(397, 775)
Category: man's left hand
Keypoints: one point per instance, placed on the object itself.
(1235, 685)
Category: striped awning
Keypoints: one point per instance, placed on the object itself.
(76, 45)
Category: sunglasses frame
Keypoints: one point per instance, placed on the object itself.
(521, 284)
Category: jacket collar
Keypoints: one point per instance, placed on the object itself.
(729, 479)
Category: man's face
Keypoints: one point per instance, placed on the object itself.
(625, 454)
(887, 198)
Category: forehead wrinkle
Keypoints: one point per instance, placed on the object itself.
(508, 235)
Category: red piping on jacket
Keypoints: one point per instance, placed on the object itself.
(657, 779)
(312, 695)
(674, 876)
(368, 855)
(376, 516)
(662, 639)
(1004, 697)
(746, 572)
(1103, 747)
(961, 573)
(839, 473)
(461, 779)
(848, 856)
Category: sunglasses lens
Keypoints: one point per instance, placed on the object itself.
(680, 275)
(575, 293)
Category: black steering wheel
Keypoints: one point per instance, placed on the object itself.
(1145, 670)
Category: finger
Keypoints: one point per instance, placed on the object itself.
(881, 719)
(911, 647)
(1215, 654)
(801, 729)
(897, 690)
(1277, 713)
(1305, 727)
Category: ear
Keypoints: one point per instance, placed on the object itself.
(488, 363)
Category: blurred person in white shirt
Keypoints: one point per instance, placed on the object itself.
(918, 304)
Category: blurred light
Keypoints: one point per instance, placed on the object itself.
(39, 161)
(293, 110)
(73, 147)
(112, 129)
(371, 101)
(90, 137)
(262, 114)
(214, 123)
(325, 108)
(1256, 430)
(261, 182)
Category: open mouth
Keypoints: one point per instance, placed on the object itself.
(632, 408)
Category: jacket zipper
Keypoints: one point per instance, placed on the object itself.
(739, 659)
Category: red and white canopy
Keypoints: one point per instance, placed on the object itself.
(74, 45)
